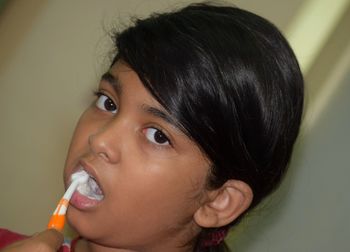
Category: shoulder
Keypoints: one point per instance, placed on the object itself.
(8, 237)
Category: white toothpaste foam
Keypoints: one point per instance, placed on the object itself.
(90, 189)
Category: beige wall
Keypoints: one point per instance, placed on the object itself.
(51, 56)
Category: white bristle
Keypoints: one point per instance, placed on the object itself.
(80, 176)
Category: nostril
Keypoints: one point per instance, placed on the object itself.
(103, 155)
(98, 147)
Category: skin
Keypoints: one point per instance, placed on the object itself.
(46, 241)
(151, 188)
(152, 176)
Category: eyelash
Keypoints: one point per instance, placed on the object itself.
(99, 93)
(169, 142)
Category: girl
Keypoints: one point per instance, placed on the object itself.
(193, 125)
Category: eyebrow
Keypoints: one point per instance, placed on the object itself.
(159, 114)
(153, 111)
(113, 81)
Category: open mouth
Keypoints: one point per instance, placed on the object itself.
(91, 189)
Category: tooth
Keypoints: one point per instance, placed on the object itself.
(91, 189)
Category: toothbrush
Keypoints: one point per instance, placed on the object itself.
(58, 217)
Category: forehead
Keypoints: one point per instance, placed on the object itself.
(124, 79)
(126, 82)
(127, 85)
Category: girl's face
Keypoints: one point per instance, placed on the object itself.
(151, 175)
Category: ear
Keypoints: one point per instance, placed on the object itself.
(224, 205)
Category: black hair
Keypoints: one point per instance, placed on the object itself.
(233, 84)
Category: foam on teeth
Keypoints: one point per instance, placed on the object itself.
(90, 189)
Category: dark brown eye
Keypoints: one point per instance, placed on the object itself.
(105, 103)
(156, 136)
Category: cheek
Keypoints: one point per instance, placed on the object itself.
(166, 191)
(79, 142)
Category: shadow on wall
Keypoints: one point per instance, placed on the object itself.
(2, 4)
(28, 11)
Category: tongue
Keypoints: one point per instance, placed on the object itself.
(91, 190)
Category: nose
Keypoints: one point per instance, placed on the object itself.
(106, 142)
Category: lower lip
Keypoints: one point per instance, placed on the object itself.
(82, 202)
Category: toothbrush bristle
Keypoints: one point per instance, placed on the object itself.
(81, 176)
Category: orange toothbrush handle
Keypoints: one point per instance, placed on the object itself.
(57, 222)
(58, 218)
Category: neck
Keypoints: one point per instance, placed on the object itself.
(88, 246)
